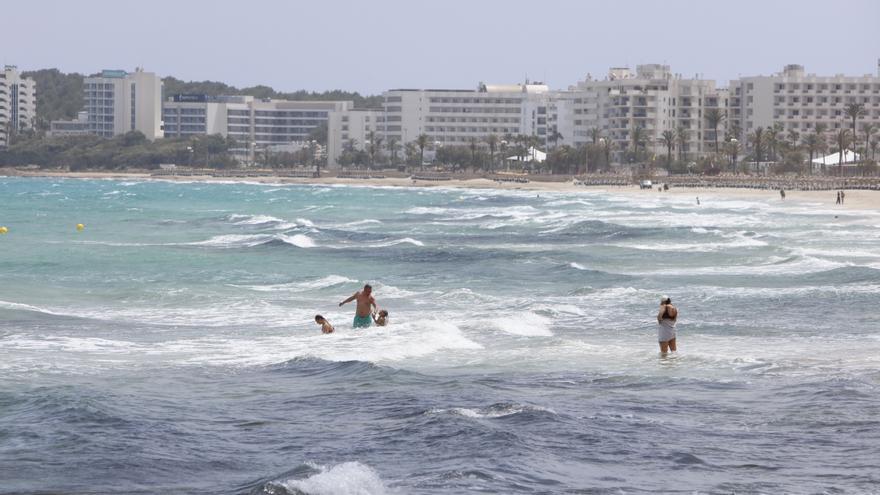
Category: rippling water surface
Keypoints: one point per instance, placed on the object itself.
(170, 346)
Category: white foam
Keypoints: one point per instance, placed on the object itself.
(524, 324)
(322, 283)
(577, 266)
(491, 412)
(234, 240)
(298, 240)
(405, 240)
(348, 478)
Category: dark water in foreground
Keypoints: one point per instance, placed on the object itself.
(168, 348)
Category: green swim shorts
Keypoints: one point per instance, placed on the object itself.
(362, 321)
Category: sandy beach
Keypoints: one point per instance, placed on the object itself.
(855, 199)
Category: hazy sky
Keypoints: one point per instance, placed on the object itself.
(370, 46)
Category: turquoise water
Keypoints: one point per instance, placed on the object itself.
(170, 346)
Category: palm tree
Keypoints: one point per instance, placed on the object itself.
(375, 145)
(811, 141)
(757, 139)
(473, 146)
(772, 138)
(668, 139)
(842, 139)
(595, 133)
(422, 142)
(607, 145)
(732, 149)
(823, 143)
(554, 136)
(393, 146)
(492, 141)
(682, 135)
(638, 139)
(869, 130)
(715, 116)
(854, 111)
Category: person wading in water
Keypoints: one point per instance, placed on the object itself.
(666, 319)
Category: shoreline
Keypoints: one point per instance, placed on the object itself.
(856, 199)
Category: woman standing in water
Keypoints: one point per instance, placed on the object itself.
(666, 319)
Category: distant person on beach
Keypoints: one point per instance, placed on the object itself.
(842, 197)
(782, 193)
(326, 327)
(698, 201)
(666, 319)
(365, 306)
(838, 197)
(382, 319)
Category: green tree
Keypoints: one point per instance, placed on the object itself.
(492, 141)
(682, 135)
(757, 140)
(422, 143)
(811, 143)
(842, 140)
(714, 117)
(854, 111)
(668, 140)
(393, 146)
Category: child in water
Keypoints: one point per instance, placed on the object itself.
(382, 319)
(326, 327)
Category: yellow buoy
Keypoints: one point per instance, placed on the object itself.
(80, 227)
(3, 230)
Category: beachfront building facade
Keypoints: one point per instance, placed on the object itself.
(353, 129)
(799, 101)
(652, 98)
(118, 102)
(18, 104)
(452, 117)
(188, 115)
(76, 127)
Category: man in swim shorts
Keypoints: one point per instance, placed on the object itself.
(363, 315)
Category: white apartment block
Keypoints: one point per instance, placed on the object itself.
(353, 128)
(261, 123)
(799, 101)
(18, 103)
(118, 102)
(455, 117)
(76, 127)
(652, 98)
(193, 115)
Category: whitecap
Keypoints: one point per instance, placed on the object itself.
(348, 478)
(523, 324)
(298, 240)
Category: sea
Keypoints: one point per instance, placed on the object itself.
(169, 347)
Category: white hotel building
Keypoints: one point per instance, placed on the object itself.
(118, 102)
(18, 103)
(799, 101)
(253, 123)
(652, 98)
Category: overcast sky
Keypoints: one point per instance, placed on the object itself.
(370, 46)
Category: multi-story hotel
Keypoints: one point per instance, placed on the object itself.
(192, 115)
(454, 117)
(18, 103)
(118, 102)
(799, 101)
(652, 99)
(353, 128)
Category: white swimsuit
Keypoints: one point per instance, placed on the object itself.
(666, 330)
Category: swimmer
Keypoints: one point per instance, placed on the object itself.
(365, 301)
(382, 319)
(666, 319)
(326, 327)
